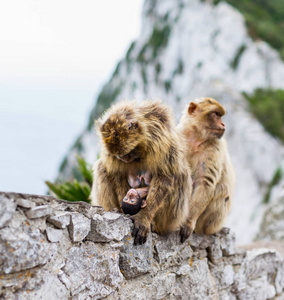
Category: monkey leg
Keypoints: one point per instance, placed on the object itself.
(202, 196)
(167, 207)
(158, 192)
(103, 190)
(215, 214)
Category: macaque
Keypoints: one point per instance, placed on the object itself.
(138, 137)
(212, 173)
(135, 198)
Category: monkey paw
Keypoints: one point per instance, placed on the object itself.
(185, 232)
(140, 232)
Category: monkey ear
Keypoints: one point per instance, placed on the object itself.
(133, 125)
(192, 107)
(144, 203)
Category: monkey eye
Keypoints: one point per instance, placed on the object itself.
(217, 114)
(133, 125)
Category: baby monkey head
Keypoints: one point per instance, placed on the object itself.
(121, 137)
(134, 200)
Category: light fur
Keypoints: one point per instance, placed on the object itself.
(212, 172)
(161, 148)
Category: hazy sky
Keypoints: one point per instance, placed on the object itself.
(54, 58)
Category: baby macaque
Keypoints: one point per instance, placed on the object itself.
(135, 198)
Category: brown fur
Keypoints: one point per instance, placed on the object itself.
(146, 136)
(212, 171)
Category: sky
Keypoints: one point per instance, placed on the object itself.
(55, 57)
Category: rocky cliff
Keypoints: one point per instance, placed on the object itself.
(192, 48)
(54, 249)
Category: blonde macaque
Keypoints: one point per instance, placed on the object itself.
(139, 139)
(135, 198)
(212, 171)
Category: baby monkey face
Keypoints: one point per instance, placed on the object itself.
(134, 200)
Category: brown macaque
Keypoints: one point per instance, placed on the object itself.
(134, 200)
(138, 137)
(212, 171)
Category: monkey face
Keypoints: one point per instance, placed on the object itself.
(207, 116)
(121, 137)
(131, 156)
(216, 126)
(134, 201)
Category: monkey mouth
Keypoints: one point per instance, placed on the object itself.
(218, 129)
(126, 158)
(219, 133)
(129, 157)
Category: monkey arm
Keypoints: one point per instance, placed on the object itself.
(202, 195)
(159, 190)
(206, 175)
(203, 192)
(103, 189)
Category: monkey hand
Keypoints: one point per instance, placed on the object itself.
(140, 231)
(185, 232)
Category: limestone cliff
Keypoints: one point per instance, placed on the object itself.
(54, 249)
(192, 48)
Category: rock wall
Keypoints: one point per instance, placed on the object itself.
(54, 249)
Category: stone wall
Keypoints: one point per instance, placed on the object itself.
(54, 249)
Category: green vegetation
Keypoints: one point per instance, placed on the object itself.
(179, 68)
(268, 107)
(116, 71)
(275, 180)
(178, 99)
(63, 164)
(168, 86)
(235, 62)
(105, 99)
(133, 86)
(199, 65)
(158, 68)
(78, 145)
(74, 190)
(264, 19)
(130, 51)
(144, 77)
(159, 39)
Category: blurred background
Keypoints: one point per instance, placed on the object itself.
(54, 58)
(62, 64)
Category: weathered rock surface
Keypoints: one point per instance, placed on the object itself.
(82, 252)
(39, 211)
(7, 209)
(61, 220)
(53, 235)
(272, 226)
(109, 227)
(79, 227)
